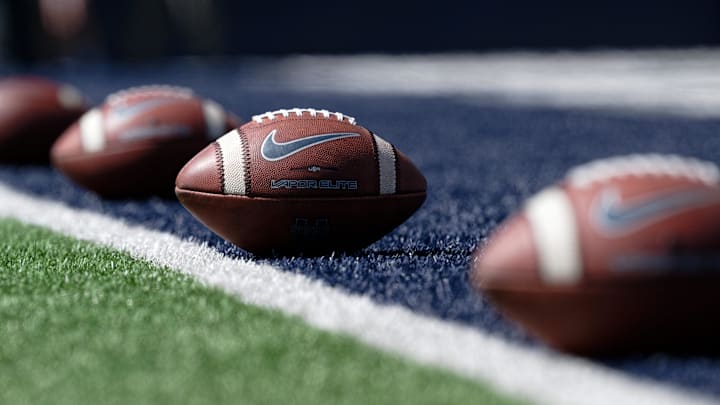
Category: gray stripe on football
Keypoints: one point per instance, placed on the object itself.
(214, 116)
(92, 131)
(231, 147)
(70, 98)
(386, 166)
(552, 220)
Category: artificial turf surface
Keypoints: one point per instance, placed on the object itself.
(81, 323)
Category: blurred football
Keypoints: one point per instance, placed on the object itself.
(301, 181)
(137, 141)
(33, 113)
(622, 255)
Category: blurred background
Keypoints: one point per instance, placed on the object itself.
(32, 31)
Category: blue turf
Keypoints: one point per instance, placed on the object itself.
(481, 162)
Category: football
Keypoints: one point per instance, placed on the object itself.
(301, 181)
(33, 112)
(136, 142)
(622, 255)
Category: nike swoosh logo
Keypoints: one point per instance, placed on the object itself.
(612, 216)
(273, 150)
(125, 112)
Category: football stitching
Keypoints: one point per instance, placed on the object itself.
(246, 159)
(151, 90)
(219, 161)
(644, 165)
(285, 114)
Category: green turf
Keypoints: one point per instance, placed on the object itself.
(82, 324)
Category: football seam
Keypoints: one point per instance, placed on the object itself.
(246, 158)
(275, 120)
(219, 163)
(396, 162)
(377, 159)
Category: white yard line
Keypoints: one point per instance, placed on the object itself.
(525, 372)
(684, 82)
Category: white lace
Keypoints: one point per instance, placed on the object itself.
(299, 112)
(644, 165)
(157, 90)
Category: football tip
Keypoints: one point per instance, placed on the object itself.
(409, 177)
(202, 172)
(68, 144)
(508, 259)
